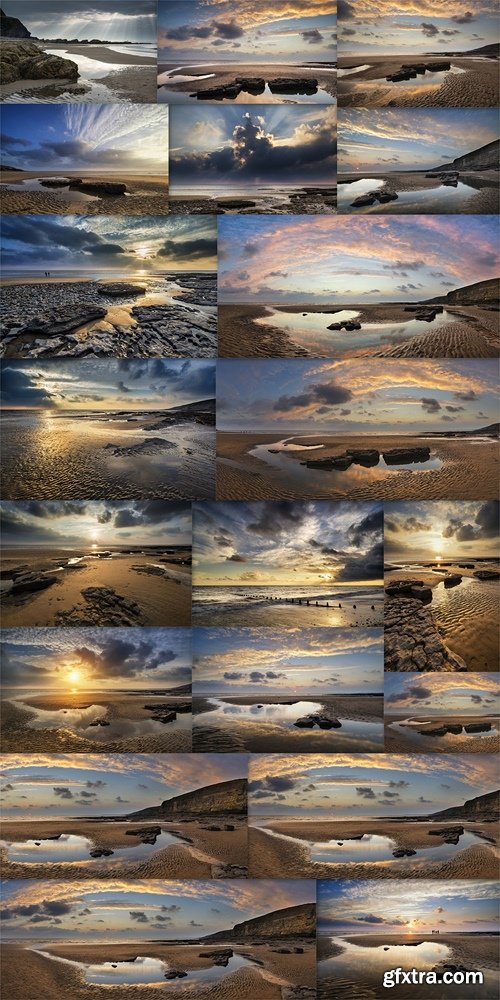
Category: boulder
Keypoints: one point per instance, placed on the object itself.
(175, 974)
(403, 852)
(25, 583)
(305, 722)
(446, 831)
(101, 852)
(287, 85)
(364, 199)
(486, 574)
(454, 727)
(228, 91)
(452, 580)
(438, 731)
(144, 831)
(26, 61)
(117, 288)
(100, 187)
(364, 456)
(437, 67)
(252, 85)
(477, 727)
(401, 456)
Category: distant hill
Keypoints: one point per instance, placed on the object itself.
(225, 797)
(487, 292)
(12, 27)
(493, 430)
(201, 404)
(485, 158)
(294, 921)
(483, 807)
(492, 50)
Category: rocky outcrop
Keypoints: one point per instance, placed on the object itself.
(26, 61)
(323, 721)
(294, 921)
(151, 446)
(98, 187)
(477, 727)
(118, 288)
(409, 588)
(103, 607)
(227, 91)
(485, 158)
(62, 321)
(225, 797)
(252, 85)
(486, 574)
(24, 583)
(479, 293)
(289, 85)
(452, 580)
(371, 197)
(412, 641)
(483, 808)
(400, 456)
(12, 27)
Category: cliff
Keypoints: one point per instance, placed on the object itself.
(487, 292)
(484, 808)
(12, 27)
(226, 797)
(294, 921)
(485, 158)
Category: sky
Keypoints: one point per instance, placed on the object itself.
(299, 661)
(444, 529)
(115, 139)
(95, 524)
(438, 694)
(388, 907)
(38, 661)
(133, 244)
(287, 543)
(121, 910)
(106, 384)
(279, 32)
(85, 785)
(107, 20)
(372, 27)
(345, 397)
(350, 786)
(411, 140)
(320, 259)
(280, 145)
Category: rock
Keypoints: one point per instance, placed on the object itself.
(100, 852)
(401, 456)
(252, 85)
(364, 199)
(144, 831)
(26, 61)
(341, 462)
(486, 574)
(12, 27)
(175, 974)
(25, 583)
(117, 288)
(219, 957)
(446, 831)
(64, 320)
(454, 728)
(438, 67)
(403, 852)
(477, 727)
(452, 580)
(99, 187)
(287, 85)
(334, 326)
(364, 456)
(305, 722)
(54, 182)
(152, 446)
(228, 91)
(385, 196)
(438, 731)
(411, 639)
(236, 203)
(323, 721)
(400, 588)
(466, 565)
(229, 826)
(103, 607)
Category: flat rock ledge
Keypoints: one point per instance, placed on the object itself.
(103, 607)
(412, 641)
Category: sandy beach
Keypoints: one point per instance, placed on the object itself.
(313, 200)
(468, 471)
(271, 857)
(476, 86)
(470, 332)
(160, 315)
(174, 88)
(360, 979)
(466, 616)
(231, 733)
(142, 593)
(145, 195)
(265, 979)
(475, 194)
(399, 737)
(129, 724)
(200, 854)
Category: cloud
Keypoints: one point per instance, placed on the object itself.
(328, 393)
(429, 30)
(23, 389)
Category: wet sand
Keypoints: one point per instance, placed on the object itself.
(162, 597)
(270, 857)
(146, 195)
(124, 715)
(200, 853)
(473, 334)
(27, 976)
(477, 87)
(313, 200)
(467, 616)
(475, 951)
(413, 739)
(103, 54)
(483, 198)
(281, 615)
(268, 736)
(469, 471)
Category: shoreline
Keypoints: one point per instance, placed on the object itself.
(476, 87)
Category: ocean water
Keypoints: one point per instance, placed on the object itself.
(234, 597)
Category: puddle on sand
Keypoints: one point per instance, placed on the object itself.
(59, 193)
(152, 971)
(310, 330)
(79, 721)
(375, 848)
(69, 848)
(443, 198)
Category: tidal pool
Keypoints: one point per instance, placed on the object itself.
(81, 721)
(69, 848)
(374, 848)
(441, 198)
(152, 971)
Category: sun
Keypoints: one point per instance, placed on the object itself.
(74, 676)
(143, 252)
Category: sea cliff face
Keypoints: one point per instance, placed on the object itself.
(226, 797)
(483, 808)
(294, 921)
(484, 158)
(481, 291)
(12, 27)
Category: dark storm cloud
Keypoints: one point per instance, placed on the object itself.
(189, 249)
(364, 792)
(119, 657)
(486, 524)
(195, 379)
(278, 518)
(19, 388)
(279, 783)
(221, 31)
(328, 393)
